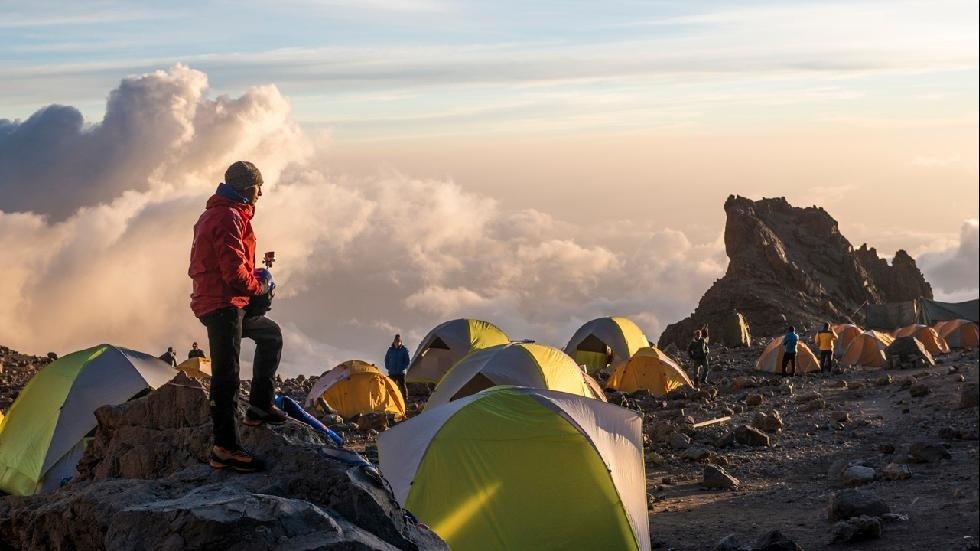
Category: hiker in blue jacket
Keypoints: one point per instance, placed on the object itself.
(790, 340)
(396, 362)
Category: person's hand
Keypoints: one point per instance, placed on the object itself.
(265, 278)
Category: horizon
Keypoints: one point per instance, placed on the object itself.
(422, 157)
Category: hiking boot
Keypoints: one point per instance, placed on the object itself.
(238, 459)
(255, 416)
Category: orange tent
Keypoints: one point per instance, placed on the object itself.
(771, 359)
(845, 334)
(960, 333)
(927, 336)
(867, 349)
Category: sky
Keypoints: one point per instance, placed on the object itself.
(537, 164)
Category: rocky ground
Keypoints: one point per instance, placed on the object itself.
(861, 458)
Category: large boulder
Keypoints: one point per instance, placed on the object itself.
(792, 265)
(144, 483)
(854, 503)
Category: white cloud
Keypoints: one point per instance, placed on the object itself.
(955, 271)
(101, 256)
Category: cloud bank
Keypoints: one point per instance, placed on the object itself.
(96, 221)
(955, 272)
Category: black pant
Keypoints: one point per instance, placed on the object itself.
(788, 358)
(399, 379)
(226, 327)
(826, 360)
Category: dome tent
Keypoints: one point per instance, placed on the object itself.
(928, 336)
(478, 471)
(356, 387)
(867, 349)
(771, 360)
(588, 345)
(43, 436)
(959, 333)
(845, 334)
(447, 344)
(517, 364)
(650, 369)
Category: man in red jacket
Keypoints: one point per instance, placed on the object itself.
(225, 279)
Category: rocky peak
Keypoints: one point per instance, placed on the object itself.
(792, 265)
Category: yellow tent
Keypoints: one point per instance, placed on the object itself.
(867, 349)
(927, 336)
(198, 368)
(650, 369)
(771, 360)
(356, 387)
(845, 334)
(959, 333)
(588, 345)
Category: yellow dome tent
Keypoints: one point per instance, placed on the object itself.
(959, 333)
(928, 336)
(355, 387)
(588, 345)
(649, 369)
(447, 344)
(771, 360)
(845, 334)
(516, 364)
(867, 349)
(198, 368)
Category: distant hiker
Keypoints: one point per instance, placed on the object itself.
(195, 352)
(790, 340)
(170, 357)
(825, 340)
(396, 362)
(697, 351)
(223, 269)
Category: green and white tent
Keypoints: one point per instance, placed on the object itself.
(588, 345)
(45, 432)
(447, 344)
(522, 468)
(516, 364)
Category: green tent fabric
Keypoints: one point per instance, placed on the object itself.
(934, 311)
(448, 343)
(521, 468)
(44, 432)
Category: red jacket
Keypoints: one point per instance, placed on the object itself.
(223, 256)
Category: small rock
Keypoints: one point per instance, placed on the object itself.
(813, 405)
(860, 528)
(886, 448)
(894, 517)
(840, 417)
(775, 541)
(896, 471)
(695, 453)
(717, 477)
(857, 475)
(753, 400)
(884, 380)
(679, 440)
(926, 452)
(919, 390)
(854, 503)
(730, 543)
(769, 422)
(749, 436)
(968, 396)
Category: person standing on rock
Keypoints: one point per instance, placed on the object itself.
(195, 352)
(396, 362)
(825, 340)
(790, 340)
(697, 352)
(222, 267)
(170, 357)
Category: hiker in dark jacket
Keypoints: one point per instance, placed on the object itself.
(195, 352)
(697, 351)
(396, 362)
(222, 267)
(170, 357)
(790, 340)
